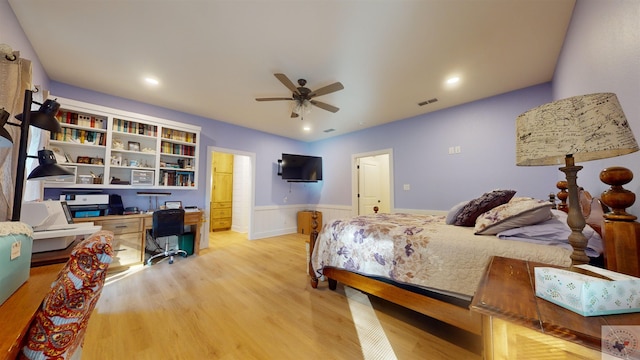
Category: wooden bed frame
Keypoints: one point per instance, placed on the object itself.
(455, 315)
(622, 254)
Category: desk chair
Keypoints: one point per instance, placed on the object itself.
(58, 327)
(167, 222)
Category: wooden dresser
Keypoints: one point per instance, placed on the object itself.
(519, 325)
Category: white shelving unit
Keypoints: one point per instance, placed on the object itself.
(110, 148)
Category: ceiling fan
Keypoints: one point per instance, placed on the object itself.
(304, 96)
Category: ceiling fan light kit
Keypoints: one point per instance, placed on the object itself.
(303, 96)
(301, 108)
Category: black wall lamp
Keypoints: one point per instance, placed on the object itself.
(45, 119)
(5, 137)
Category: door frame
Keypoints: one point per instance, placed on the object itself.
(354, 178)
(209, 182)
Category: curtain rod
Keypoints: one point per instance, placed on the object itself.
(8, 53)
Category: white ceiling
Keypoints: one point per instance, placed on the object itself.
(213, 58)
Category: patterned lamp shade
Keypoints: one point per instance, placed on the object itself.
(589, 127)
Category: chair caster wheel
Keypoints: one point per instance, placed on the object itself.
(170, 261)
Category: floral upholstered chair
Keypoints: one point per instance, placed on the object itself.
(58, 327)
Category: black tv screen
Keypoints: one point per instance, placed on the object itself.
(301, 167)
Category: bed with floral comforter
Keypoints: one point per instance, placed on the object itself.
(420, 250)
(434, 264)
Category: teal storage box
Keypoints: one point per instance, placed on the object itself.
(15, 261)
(185, 242)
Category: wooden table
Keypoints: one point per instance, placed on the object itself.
(18, 310)
(518, 324)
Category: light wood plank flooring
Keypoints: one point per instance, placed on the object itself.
(243, 299)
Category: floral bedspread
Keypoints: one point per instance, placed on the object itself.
(420, 250)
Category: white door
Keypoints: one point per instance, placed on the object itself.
(373, 184)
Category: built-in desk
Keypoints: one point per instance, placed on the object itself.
(129, 238)
(191, 218)
(18, 310)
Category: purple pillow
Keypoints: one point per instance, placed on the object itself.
(470, 212)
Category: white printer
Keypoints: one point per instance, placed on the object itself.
(52, 224)
(86, 204)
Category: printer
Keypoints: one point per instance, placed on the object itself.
(86, 204)
(52, 224)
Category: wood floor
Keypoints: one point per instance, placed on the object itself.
(243, 299)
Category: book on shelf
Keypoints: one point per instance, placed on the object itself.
(132, 127)
(80, 136)
(84, 120)
(177, 178)
(178, 135)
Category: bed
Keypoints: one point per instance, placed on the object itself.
(432, 264)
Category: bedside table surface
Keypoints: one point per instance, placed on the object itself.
(507, 292)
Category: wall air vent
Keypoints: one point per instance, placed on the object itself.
(329, 130)
(426, 102)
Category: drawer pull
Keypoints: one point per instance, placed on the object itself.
(120, 226)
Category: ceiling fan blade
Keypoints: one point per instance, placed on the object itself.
(273, 99)
(327, 89)
(294, 115)
(286, 82)
(324, 106)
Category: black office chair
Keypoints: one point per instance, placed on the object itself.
(166, 223)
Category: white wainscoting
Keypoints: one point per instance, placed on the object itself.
(421, 211)
(275, 220)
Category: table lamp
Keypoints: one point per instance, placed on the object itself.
(580, 128)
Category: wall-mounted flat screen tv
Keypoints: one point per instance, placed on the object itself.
(299, 168)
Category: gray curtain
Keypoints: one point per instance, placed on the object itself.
(15, 78)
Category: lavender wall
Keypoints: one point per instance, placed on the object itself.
(485, 131)
(602, 54)
(11, 34)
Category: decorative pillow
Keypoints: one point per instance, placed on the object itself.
(58, 327)
(517, 212)
(486, 202)
(554, 231)
(455, 210)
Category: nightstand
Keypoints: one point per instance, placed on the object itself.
(519, 325)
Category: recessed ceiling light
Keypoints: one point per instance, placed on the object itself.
(306, 128)
(151, 81)
(453, 80)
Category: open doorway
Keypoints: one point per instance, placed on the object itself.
(240, 185)
(372, 182)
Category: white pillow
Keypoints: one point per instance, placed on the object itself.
(455, 210)
(554, 231)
